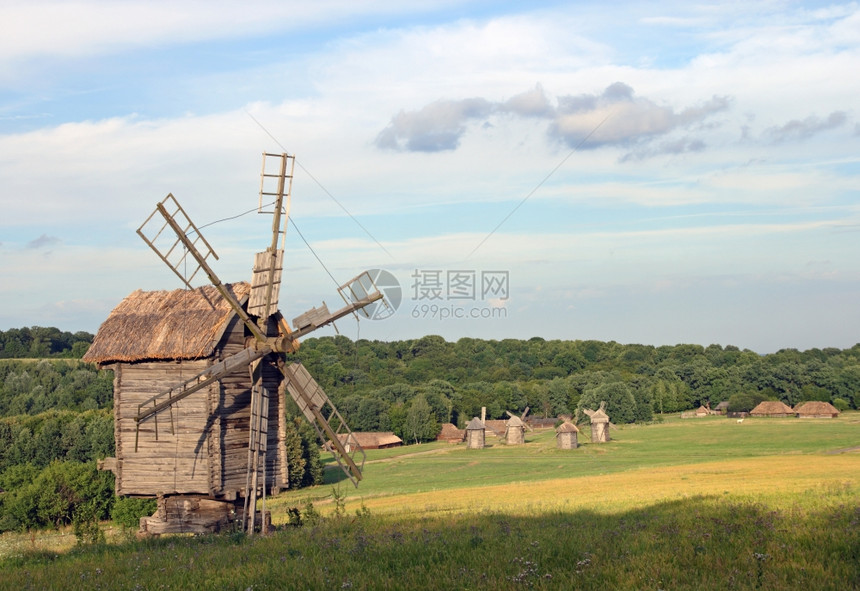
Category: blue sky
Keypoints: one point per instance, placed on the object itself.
(677, 172)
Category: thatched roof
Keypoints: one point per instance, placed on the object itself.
(152, 325)
(516, 422)
(373, 439)
(815, 407)
(475, 424)
(772, 407)
(724, 405)
(702, 410)
(597, 416)
(450, 432)
(497, 426)
(567, 427)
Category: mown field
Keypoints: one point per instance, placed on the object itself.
(695, 504)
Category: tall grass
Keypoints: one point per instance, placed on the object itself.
(805, 541)
(706, 504)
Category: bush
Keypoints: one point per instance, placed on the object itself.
(85, 524)
(127, 511)
(841, 404)
(56, 495)
(745, 402)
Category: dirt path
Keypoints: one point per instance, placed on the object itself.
(843, 450)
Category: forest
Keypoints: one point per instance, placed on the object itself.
(56, 411)
(401, 385)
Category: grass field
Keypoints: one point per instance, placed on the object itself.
(694, 504)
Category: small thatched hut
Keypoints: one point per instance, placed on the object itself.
(702, 411)
(451, 433)
(772, 408)
(816, 410)
(154, 341)
(515, 431)
(475, 434)
(722, 407)
(565, 436)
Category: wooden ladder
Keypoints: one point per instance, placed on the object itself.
(255, 479)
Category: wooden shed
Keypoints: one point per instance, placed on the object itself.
(815, 409)
(772, 408)
(475, 434)
(515, 431)
(198, 446)
(565, 436)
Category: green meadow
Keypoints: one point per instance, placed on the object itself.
(683, 504)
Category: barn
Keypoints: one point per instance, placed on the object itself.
(816, 410)
(197, 446)
(371, 439)
(772, 408)
(451, 433)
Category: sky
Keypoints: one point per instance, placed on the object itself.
(654, 173)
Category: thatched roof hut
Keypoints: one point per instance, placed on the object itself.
(156, 340)
(475, 434)
(515, 431)
(371, 439)
(451, 433)
(772, 408)
(815, 409)
(702, 411)
(722, 407)
(565, 436)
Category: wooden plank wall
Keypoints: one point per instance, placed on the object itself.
(176, 462)
(208, 451)
(234, 419)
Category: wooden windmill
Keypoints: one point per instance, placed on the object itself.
(515, 428)
(565, 436)
(206, 455)
(599, 423)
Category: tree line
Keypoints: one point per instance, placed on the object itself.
(411, 386)
(56, 419)
(40, 341)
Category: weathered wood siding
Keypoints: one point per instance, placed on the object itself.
(234, 419)
(178, 460)
(205, 449)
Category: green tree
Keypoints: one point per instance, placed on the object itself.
(620, 403)
(420, 422)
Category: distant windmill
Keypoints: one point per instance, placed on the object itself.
(565, 436)
(515, 428)
(599, 423)
(476, 434)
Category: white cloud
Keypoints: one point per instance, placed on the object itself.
(687, 184)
